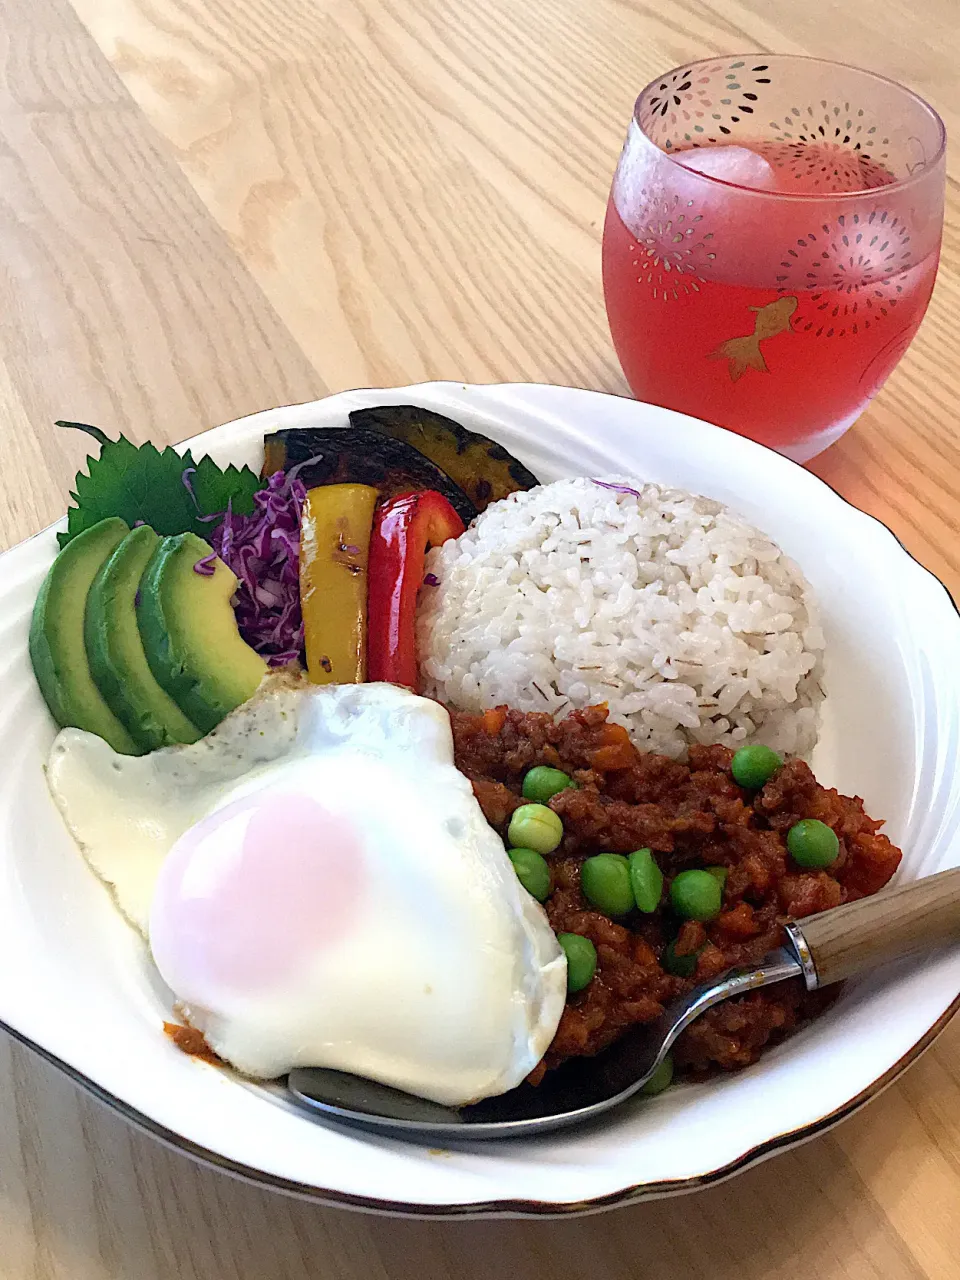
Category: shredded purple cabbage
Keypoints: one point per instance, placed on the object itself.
(263, 550)
(205, 566)
(618, 488)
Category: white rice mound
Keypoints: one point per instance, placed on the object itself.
(692, 625)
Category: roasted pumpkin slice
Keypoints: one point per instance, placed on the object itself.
(483, 469)
(359, 455)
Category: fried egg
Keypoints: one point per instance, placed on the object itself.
(319, 887)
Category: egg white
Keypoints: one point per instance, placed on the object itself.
(127, 812)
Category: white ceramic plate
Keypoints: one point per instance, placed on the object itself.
(77, 985)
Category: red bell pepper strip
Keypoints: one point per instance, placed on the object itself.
(403, 530)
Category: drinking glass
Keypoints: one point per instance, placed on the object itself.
(771, 243)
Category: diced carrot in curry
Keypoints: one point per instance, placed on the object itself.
(494, 720)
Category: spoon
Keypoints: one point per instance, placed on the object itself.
(820, 949)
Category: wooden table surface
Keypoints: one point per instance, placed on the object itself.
(208, 207)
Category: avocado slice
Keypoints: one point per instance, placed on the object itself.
(190, 634)
(115, 651)
(57, 650)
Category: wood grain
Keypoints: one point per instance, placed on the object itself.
(892, 924)
(121, 301)
(212, 206)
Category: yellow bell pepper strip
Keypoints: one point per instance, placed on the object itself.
(334, 543)
(404, 528)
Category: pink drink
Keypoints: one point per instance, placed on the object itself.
(770, 284)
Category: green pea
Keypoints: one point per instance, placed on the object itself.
(696, 895)
(680, 966)
(605, 881)
(534, 826)
(661, 1079)
(646, 880)
(542, 782)
(812, 843)
(532, 872)
(719, 874)
(754, 765)
(581, 960)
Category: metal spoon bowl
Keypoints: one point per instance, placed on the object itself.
(579, 1090)
(821, 950)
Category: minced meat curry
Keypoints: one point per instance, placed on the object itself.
(690, 815)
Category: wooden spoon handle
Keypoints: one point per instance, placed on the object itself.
(840, 943)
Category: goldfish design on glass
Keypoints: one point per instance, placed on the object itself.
(744, 353)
